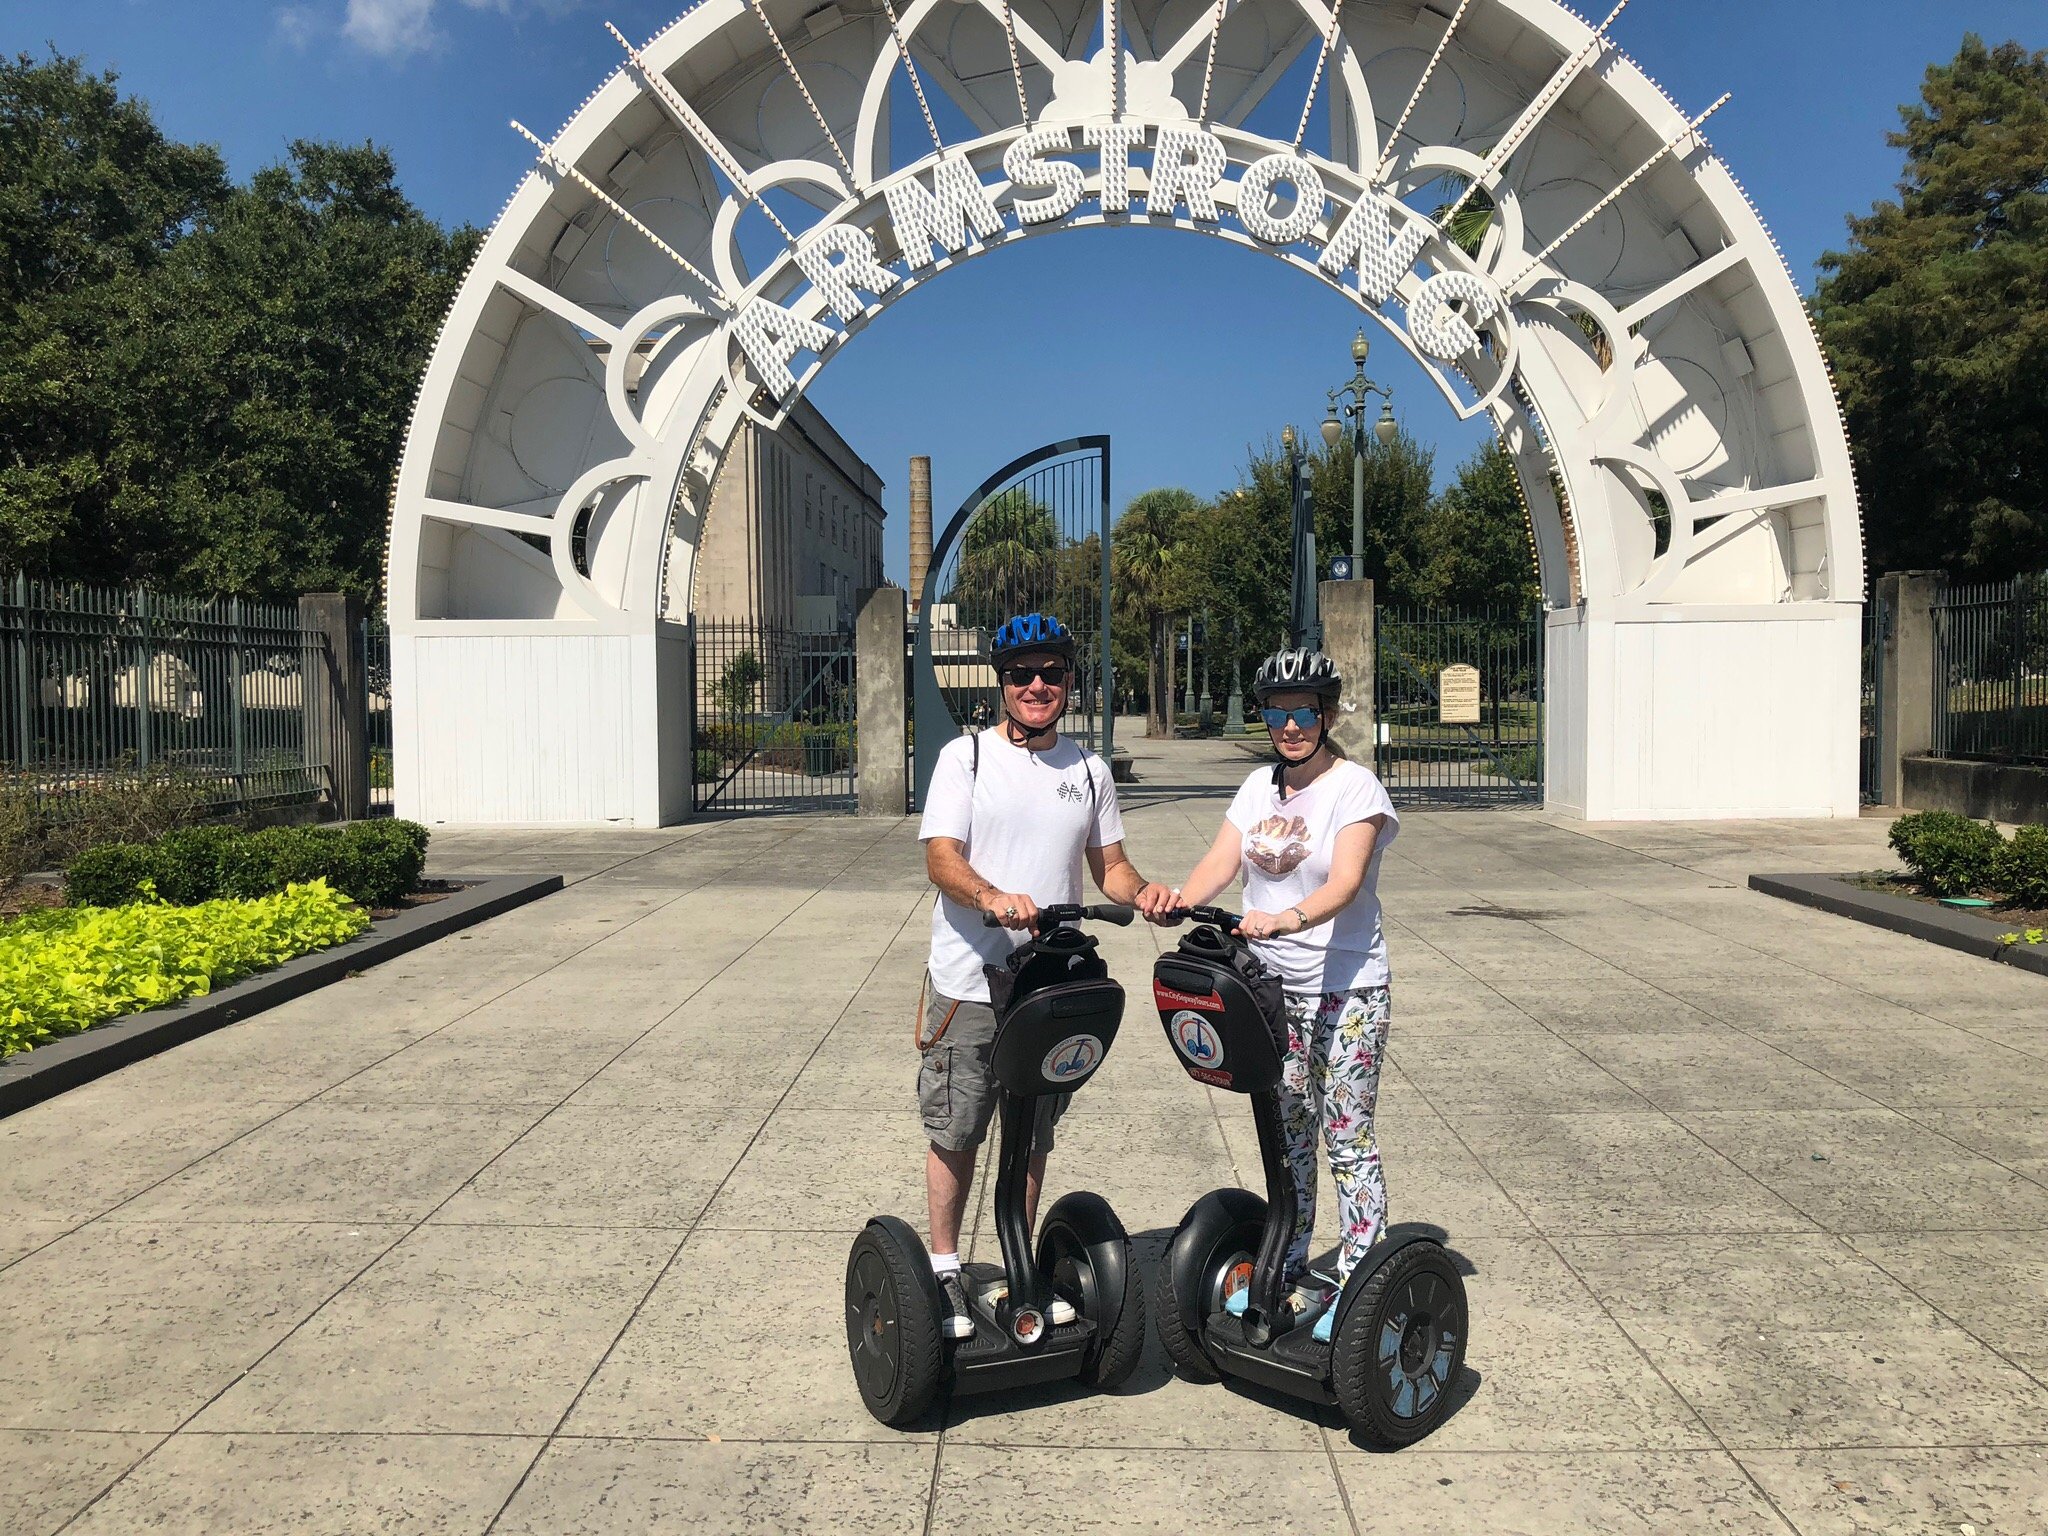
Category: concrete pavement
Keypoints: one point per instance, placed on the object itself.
(541, 1229)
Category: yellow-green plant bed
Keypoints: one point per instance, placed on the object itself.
(69, 968)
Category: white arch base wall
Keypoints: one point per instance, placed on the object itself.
(522, 724)
(1743, 714)
(1740, 713)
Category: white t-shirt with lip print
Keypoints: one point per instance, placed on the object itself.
(1024, 819)
(1288, 844)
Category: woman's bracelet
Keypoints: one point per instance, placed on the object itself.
(1303, 917)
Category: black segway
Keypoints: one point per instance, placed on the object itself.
(1057, 1013)
(1399, 1336)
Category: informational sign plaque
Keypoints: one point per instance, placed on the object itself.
(1457, 695)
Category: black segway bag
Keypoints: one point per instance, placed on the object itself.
(1057, 1013)
(1222, 1010)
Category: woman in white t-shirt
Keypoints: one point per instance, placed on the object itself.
(1306, 836)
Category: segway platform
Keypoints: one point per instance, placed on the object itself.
(1057, 1013)
(1399, 1336)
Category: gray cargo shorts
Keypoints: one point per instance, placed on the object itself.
(956, 1085)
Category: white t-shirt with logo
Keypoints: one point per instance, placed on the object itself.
(1024, 819)
(1288, 846)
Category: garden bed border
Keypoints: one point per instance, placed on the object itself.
(1902, 914)
(29, 1077)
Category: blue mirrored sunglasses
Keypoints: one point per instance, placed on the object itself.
(1303, 718)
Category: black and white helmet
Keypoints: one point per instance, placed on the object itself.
(1297, 671)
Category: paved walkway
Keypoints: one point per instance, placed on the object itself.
(541, 1229)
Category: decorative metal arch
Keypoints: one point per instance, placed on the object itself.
(1628, 324)
(929, 698)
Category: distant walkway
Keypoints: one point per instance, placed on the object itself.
(541, 1229)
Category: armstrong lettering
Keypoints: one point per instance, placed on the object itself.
(1281, 200)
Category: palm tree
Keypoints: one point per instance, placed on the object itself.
(1144, 570)
(1007, 558)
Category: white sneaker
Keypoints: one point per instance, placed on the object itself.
(1060, 1313)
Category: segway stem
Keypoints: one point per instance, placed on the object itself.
(1013, 1230)
(1269, 1274)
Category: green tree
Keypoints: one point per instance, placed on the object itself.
(1937, 319)
(218, 403)
(1146, 583)
(1474, 539)
(735, 687)
(91, 194)
(1009, 559)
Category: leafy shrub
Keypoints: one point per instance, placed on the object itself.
(123, 811)
(111, 875)
(188, 863)
(375, 863)
(2021, 875)
(43, 833)
(21, 835)
(69, 968)
(1950, 855)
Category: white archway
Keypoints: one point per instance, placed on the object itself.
(1627, 324)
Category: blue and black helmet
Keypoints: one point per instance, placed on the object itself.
(1028, 632)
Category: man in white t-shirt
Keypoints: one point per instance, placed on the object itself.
(1011, 815)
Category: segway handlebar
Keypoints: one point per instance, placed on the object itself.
(1227, 921)
(1052, 917)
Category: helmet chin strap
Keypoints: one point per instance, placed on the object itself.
(1018, 734)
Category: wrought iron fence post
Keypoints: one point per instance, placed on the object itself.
(236, 649)
(145, 666)
(18, 641)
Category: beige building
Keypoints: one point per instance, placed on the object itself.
(794, 529)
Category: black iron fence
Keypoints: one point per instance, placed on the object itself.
(1870, 763)
(102, 686)
(1991, 671)
(377, 708)
(775, 718)
(1459, 705)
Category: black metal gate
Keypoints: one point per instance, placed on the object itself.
(1458, 701)
(1870, 758)
(1032, 538)
(775, 718)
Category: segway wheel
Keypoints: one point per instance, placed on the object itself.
(892, 1323)
(1399, 1347)
(1214, 1242)
(1084, 1249)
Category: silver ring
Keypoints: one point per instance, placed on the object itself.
(1009, 911)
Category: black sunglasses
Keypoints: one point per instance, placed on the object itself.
(1020, 677)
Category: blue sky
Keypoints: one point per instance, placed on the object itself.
(1183, 349)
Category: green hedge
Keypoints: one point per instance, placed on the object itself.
(1949, 854)
(376, 863)
(783, 746)
(65, 969)
(2021, 873)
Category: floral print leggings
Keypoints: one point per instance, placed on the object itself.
(1331, 1083)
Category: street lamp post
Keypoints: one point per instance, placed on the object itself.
(1303, 625)
(1351, 398)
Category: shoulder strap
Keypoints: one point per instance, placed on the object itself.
(974, 756)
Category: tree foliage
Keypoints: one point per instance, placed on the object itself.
(1937, 319)
(202, 386)
(1474, 543)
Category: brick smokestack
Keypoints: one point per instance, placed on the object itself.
(920, 526)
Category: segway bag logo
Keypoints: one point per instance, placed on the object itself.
(1073, 1058)
(1197, 1039)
